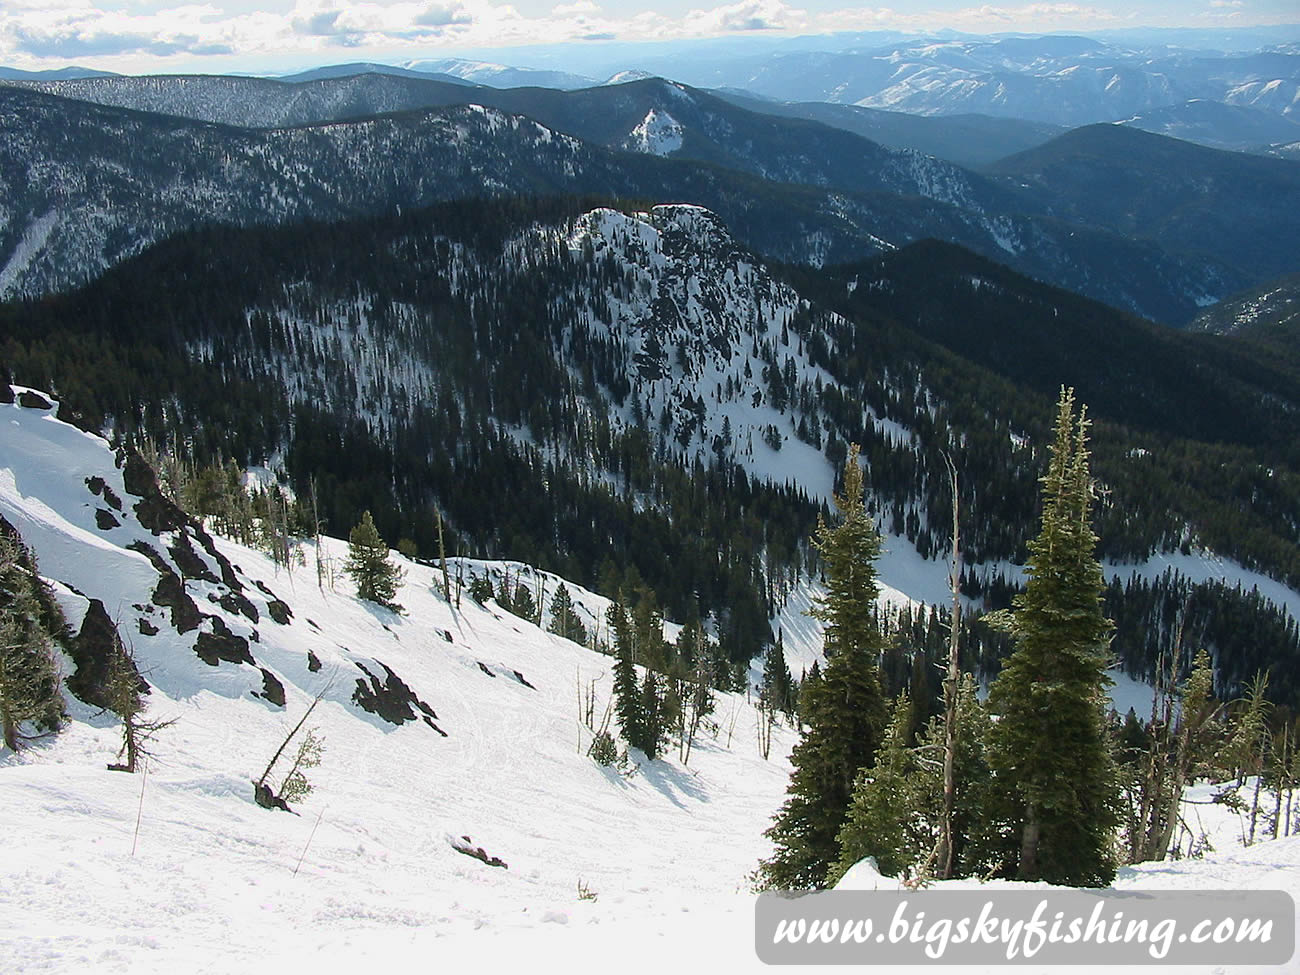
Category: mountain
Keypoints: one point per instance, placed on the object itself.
(388, 860)
(500, 75)
(1054, 79)
(311, 98)
(116, 180)
(1217, 125)
(360, 68)
(1189, 199)
(967, 140)
(438, 724)
(1271, 310)
(58, 74)
(556, 379)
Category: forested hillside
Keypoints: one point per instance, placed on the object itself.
(590, 389)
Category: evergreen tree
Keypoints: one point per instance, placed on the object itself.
(1049, 749)
(565, 621)
(844, 709)
(523, 604)
(777, 693)
(29, 675)
(377, 579)
(627, 699)
(882, 817)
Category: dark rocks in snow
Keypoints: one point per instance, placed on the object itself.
(520, 677)
(170, 592)
(466, 846)
(277, 608)
(99, 488)
(92, 652)
(221, 644)
(265, 797)
(272, 689)
(147, 628)
(446, 635)
(391, 699)
(483, 667)
(34, 401)
(313, 662)
(6, 394)
(104, 520)
(237, 602)
(188, 561)
(153, 510)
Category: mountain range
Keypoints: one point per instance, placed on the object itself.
(840, 196)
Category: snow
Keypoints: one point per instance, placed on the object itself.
(658, 134)
(33, 239)
(211, 883)
(366, 874)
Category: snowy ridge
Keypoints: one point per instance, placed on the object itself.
(658, 134)
(368, 869)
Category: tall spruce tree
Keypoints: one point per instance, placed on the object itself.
(627, 697)
(565, 621)
(29, 676)
(844, 710)
(1049, 751)
(377, 578)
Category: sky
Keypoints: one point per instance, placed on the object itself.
(142, 36)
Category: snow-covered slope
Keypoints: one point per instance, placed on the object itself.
(477, 734)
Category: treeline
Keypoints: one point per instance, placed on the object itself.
(457, 359)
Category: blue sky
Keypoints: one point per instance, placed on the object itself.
(137, 36)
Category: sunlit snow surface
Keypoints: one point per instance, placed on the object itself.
(365, 878)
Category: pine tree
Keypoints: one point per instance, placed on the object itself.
(844, 709)
(627, 699)
(882, 815)
(29, 676)
(377, 579)
(565, 621)
(1049, 749)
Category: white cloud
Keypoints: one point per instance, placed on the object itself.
(745, 16)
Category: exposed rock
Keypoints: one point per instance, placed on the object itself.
(392, 699)
(313, 662)
(272, 689)
(277, 608)
(104, 520)
(483, 667)
(221, 644)
(154, 511)
(188, 561)
(92, 652)
(6, 394)
(466, 846)
(237, 602)
(265, 797)
(99, 488)
(34, 401)
(520, 677)
(147, 628)
(170, 592)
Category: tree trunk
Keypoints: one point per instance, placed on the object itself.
(1029, 846)
(946, 858)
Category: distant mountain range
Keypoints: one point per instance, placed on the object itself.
(792, 188)
(1056, 79)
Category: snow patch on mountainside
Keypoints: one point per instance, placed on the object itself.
(658, 134)
(29, 245)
